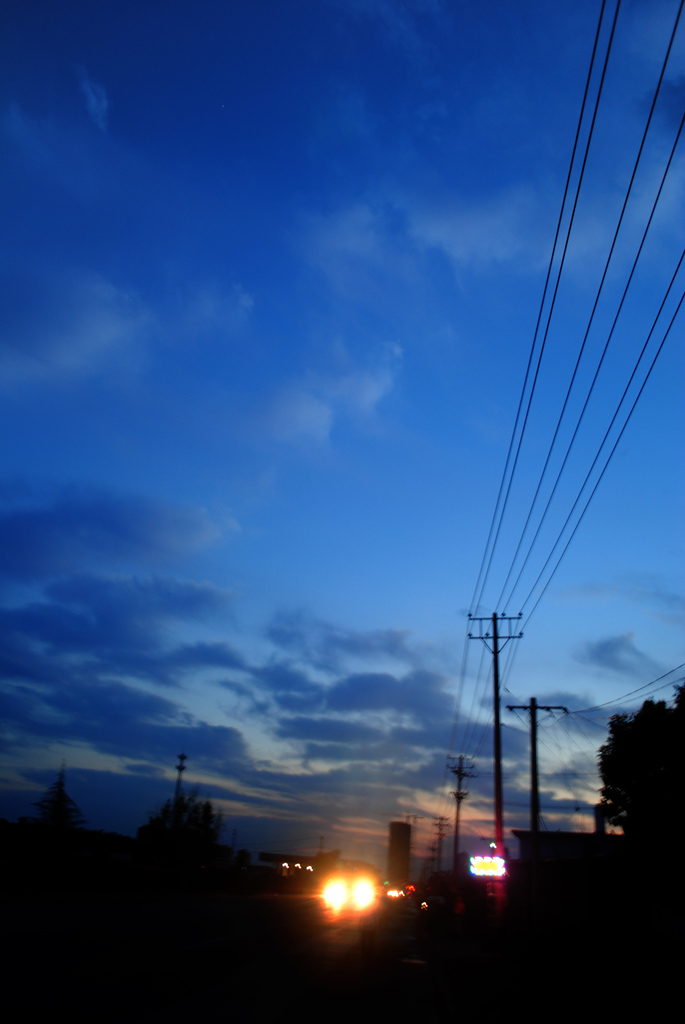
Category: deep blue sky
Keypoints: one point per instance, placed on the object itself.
(270, 277)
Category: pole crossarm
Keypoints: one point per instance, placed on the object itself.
(540, 707)
(492, 638)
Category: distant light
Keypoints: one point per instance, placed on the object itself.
(309, 867)
(299, 866)
(284, 865)
(493, 867)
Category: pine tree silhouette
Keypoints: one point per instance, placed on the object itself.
(57, 808)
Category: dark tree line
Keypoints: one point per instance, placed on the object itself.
(642, 771)
(184, 831)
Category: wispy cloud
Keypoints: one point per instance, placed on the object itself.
(66, 322)
(503, 227)
(80, 528)
(651, 592)
(97, 103)
(619, 654)
(307, 411)
(399, 19)
(213, 307)
(328, 647)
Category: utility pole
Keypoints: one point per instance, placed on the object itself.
(459, 794)
(180, 767)
(440, 825)
(533, 709)
(495, 643)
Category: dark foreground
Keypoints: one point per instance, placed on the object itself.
(218, 957)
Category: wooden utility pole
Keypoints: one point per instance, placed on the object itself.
(533, 709)
(439, 824)
(459, 794)
(495, 642)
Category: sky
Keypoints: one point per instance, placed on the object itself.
(270, 278)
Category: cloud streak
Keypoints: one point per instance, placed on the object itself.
(97, 103)
(307, 411)
(619, 654)
(61, 323)
(79, 528)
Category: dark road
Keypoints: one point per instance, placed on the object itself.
(157, 958)
(147, 959)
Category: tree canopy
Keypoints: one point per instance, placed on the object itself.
(57, 808)
(185, 828)
(641, 766)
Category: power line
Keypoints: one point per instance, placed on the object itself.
(606, 464)
(475, 603)
(587, 330)
(618, 700)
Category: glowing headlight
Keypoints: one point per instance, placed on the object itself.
(335, 895)
(358, 894)
(363, 894)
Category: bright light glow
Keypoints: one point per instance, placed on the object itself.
(335, 894)
(309, 867)
(493, 867)
(363, 894)
(358, 893)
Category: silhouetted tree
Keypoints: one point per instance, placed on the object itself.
(57, 809)
(184, 829)
(641, 766)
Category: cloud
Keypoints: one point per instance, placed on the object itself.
(653, 593)
(95, 629)
(78, 528)
(65, 322)
(307, 411)
(336, 730)
(399, 19)
(672, 95)
(618, 654)
(201, 655)
(327, 647)
(504, 227)
(298, 416)
(213, 307)
(114, 718)
(364, 252)
(95, 96)
(420, 694)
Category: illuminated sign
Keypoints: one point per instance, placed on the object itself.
(492, 867)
